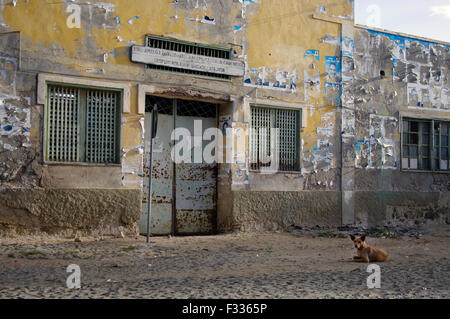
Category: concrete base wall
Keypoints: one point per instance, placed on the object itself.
(254, 210)
(64, 212)
(401, 208)
(97, 212)
(279, 210)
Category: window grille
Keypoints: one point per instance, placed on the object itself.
(196, 109)
(183, 107)
(82, 125)
(101, 125)
(187, 47)
(282, 145)
(165, 106)
(63, 124)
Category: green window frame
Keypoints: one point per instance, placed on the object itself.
(82, 125)
(425, 145)
(288, 122)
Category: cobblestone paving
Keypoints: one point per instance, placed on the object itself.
(258, 265)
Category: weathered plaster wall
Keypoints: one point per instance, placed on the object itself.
(68, 211)
(280, 210)
(97, 45)
(386, 68)
(294, 69)
(404, 209)
(17, 135)
(304, 54)
(380, 100)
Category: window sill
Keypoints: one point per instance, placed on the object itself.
(422, 171)
(45, 163)
(277, 172)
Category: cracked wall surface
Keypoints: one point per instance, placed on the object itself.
(304, 54)
(387, 67)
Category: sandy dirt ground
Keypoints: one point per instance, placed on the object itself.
(241, 265)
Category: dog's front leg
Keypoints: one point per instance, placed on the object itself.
(365, 258)
(362, 259)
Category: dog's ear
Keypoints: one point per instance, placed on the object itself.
(363, 237)
(352, 237)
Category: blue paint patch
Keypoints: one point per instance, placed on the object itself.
(314, 53)
(277, 85)
(333, 93)
(347, 46)
(333, 69)
(358, 144)
(401, 40)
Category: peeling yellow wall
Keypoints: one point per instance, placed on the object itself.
(43, 23)
(269, 35)
(279, 35)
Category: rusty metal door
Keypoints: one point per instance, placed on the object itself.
(196, 182)
(184, 194)
(162, 173)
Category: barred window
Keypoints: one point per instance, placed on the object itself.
(187, 47)
(275, 138)
(425, 145)
(82, 125)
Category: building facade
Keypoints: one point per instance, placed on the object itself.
(355, 120)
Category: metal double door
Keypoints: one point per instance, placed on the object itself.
(184, 193)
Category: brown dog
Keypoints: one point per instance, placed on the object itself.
(366, 253)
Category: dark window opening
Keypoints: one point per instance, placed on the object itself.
(425, 145)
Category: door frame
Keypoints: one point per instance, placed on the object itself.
(209, 97)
